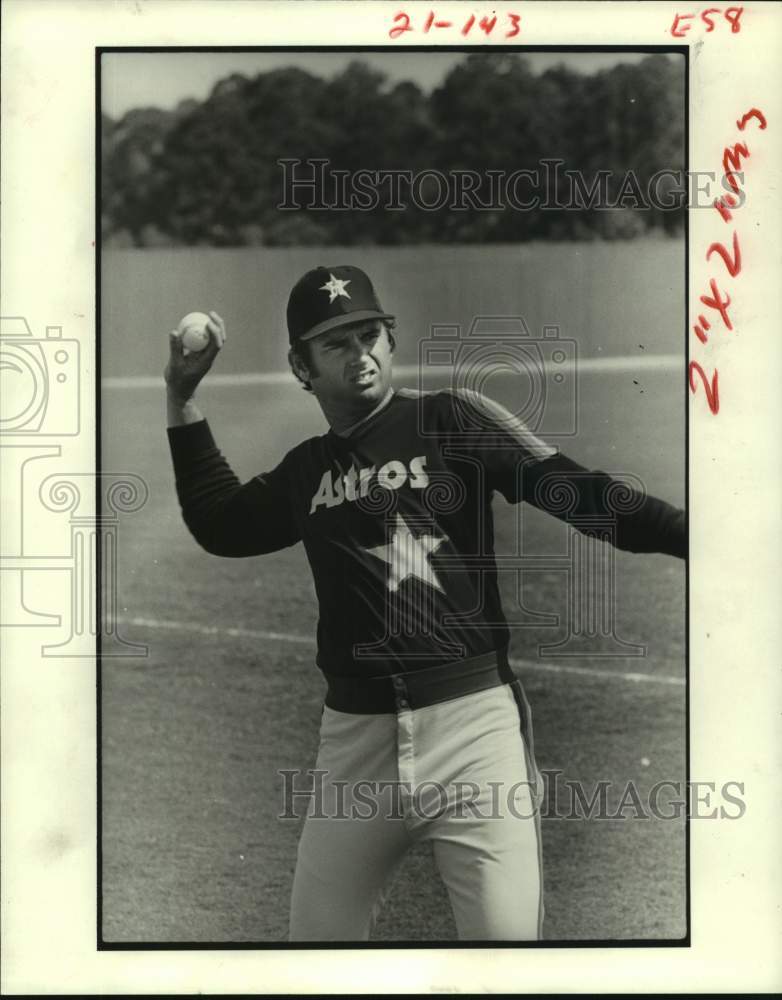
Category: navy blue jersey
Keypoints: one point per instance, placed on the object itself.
(396, 520)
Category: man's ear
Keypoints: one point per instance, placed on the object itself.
(298, 365)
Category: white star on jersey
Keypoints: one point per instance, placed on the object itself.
(335, 286)
(407, 556)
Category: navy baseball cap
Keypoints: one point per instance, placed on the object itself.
(327, 297)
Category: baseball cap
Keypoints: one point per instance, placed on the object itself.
(327, 297)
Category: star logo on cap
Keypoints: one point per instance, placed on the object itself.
(335, 286)
(408, 556)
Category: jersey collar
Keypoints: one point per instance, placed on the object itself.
(364, 420)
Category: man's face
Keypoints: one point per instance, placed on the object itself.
(351, 365)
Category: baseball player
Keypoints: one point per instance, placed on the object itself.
(425, 731)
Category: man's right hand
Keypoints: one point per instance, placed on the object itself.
(184, 371)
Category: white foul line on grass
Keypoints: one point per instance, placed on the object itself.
(214, 630)
(584, 366)
(303, 640)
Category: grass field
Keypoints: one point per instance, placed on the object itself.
(194, 734)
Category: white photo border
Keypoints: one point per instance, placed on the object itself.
(49, 706)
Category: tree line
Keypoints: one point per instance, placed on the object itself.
(211, 172)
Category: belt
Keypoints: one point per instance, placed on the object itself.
(418, 688)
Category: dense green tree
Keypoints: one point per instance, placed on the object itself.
(209, 172)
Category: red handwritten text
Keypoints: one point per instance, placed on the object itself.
(730, 257)
(510, 22)
(710, 17)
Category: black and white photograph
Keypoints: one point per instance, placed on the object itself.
(388, 586)
(397, 345)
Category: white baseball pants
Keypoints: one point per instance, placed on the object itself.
(456, 773)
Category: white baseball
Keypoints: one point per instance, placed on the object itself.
(192, 329)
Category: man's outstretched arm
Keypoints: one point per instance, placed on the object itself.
(523, 467)
(569, 491)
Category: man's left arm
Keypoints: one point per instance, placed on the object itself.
(523, 467)
(642, 523)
